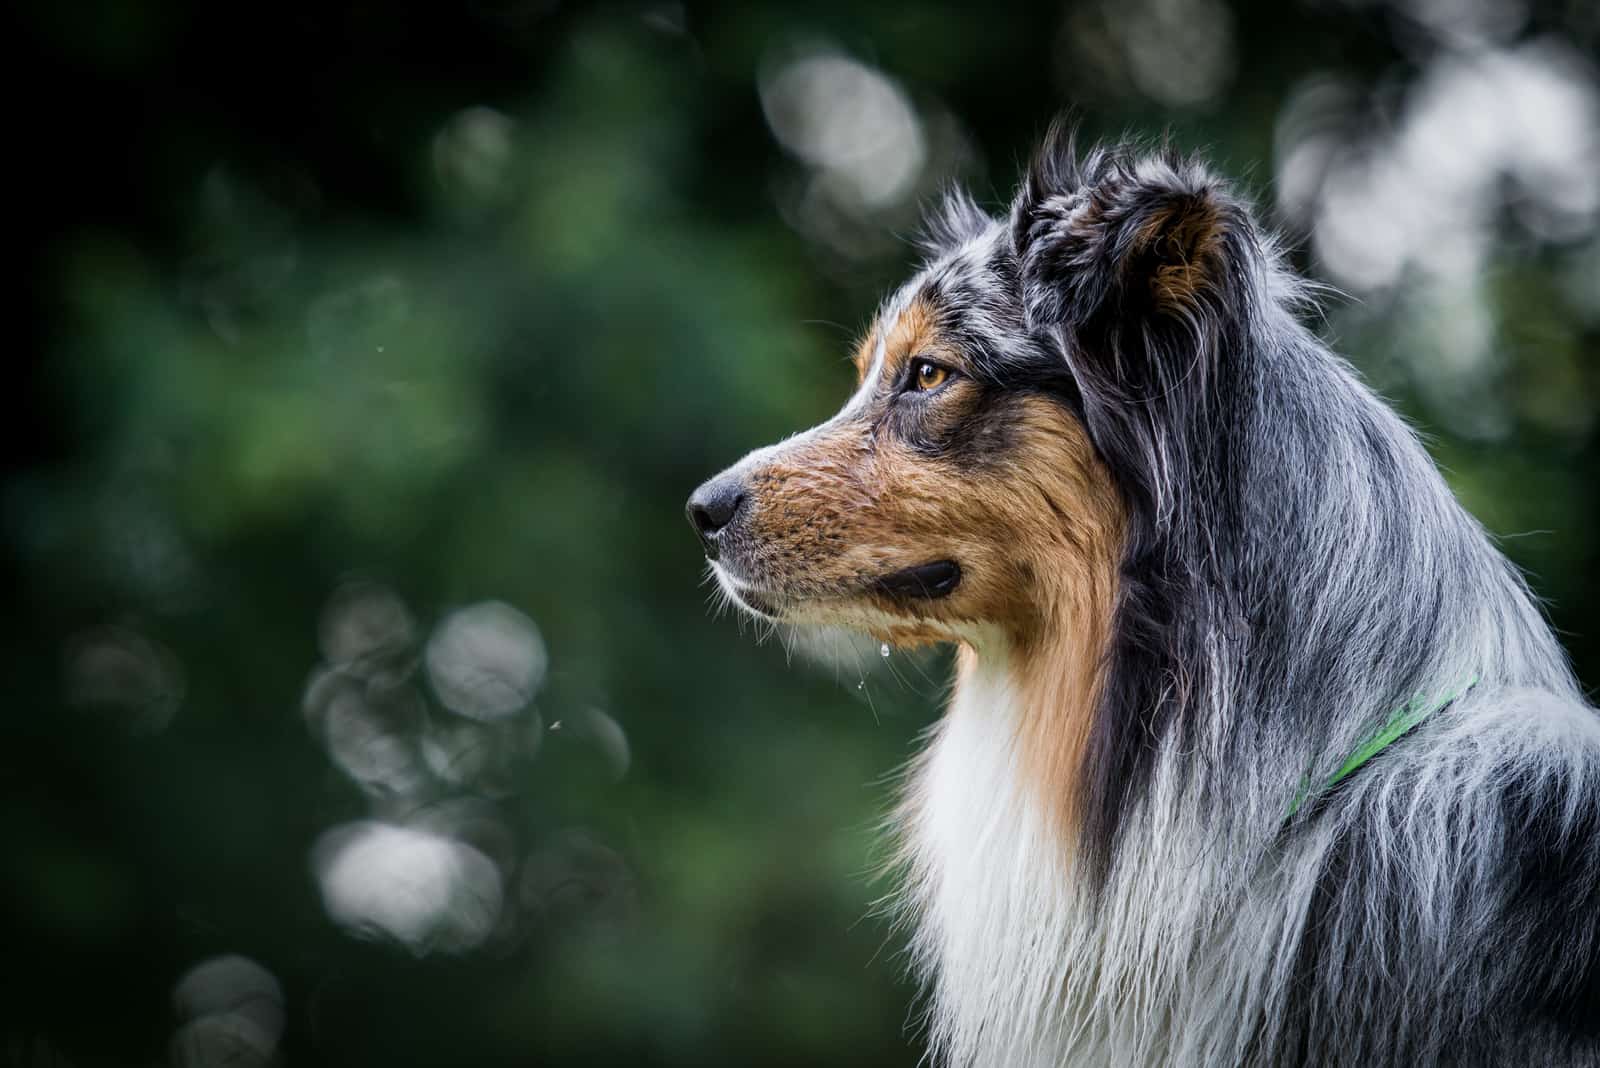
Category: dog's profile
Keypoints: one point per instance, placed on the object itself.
(1260, 752)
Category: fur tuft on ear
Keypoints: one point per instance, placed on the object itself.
(1116, 233)
(952, 221)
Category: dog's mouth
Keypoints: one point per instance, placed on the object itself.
(926, 582)
(757, 604)
(751, 598)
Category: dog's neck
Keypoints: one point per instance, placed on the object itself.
(1054, 671)
(988, 826)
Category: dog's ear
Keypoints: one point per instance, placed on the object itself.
(1142, 271)
(1116, 237)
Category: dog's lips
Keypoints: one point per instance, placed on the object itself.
(929, 581)
(750, 597)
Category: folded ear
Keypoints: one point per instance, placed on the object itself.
(1116, 235)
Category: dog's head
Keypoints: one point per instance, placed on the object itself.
(966, 485)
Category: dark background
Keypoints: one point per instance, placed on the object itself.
(364, 702)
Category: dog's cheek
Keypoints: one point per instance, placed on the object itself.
(929, 509)
(1029, 511)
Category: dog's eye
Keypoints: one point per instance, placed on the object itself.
(927, 376)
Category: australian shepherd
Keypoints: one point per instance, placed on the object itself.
(1260, 752)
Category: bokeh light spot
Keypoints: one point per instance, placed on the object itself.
(486, 661)
(366, 628)
(135, 680)
(577, 878)
(230, 1011)
(848, 120)
(425, 891)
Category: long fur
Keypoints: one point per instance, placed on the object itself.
(1295, 569)
(1292, 569)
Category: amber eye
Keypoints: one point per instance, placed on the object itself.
(927, 376)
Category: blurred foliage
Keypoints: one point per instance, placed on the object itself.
(365, 706)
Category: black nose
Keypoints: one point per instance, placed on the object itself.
(712, 507)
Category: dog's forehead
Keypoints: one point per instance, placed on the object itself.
(971, 277)
(973, 270)
(975, 293)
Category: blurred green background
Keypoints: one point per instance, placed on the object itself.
(364, 701)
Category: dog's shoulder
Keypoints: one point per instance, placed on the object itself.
(1458, 874)
(1549, 808)
(1498, 808)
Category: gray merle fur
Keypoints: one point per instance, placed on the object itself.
(1295, 569)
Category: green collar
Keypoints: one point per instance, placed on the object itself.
(1399, 723)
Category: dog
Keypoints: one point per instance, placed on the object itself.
(1260, 752)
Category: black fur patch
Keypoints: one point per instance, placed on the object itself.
(1555, 899)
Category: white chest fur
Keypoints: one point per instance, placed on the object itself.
(1023, 970)
(989, 886)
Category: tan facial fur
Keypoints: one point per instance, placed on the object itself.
(1035, 527)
